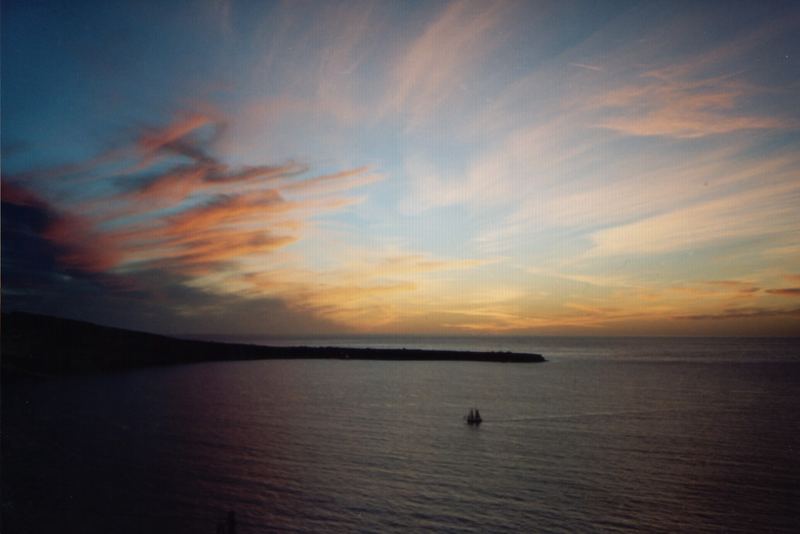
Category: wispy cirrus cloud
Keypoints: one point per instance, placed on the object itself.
(703, 91)
(553, 124)
(660, 105)
(451, 47)
(595, 68)
(758, 212)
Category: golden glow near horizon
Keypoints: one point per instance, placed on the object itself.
(465, 167)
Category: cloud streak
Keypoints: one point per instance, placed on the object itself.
(785, 291)
(660, 105)
(764, 212)
(743, 313)
(446, 52)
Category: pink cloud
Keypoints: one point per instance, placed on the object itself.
(19, 196)
(84, 248)
(179, 183)
(659, 106)
(78, 244)
(154, 139)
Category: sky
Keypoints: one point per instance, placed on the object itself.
(441, 168)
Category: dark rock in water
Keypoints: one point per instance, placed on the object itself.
(50, 345)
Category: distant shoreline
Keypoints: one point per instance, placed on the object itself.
(47, 345)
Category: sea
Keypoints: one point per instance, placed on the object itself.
(609, 435)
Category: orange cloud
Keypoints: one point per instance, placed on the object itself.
(736, 286)
(199, 254)
(579, 317)
(209, 233)
(224, 228)
(179, 183)
(716, 291)
(785, 291)
(223, 210)
(365, 290)
(743, 313)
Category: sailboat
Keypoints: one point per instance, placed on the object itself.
(474, 417)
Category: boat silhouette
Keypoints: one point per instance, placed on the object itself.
(474, 417)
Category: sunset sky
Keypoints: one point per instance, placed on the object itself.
(227, 167)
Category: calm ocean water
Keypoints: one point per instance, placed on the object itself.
(610, 435)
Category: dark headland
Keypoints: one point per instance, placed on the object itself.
(50, 345)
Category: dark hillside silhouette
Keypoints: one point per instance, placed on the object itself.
(51, 345)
